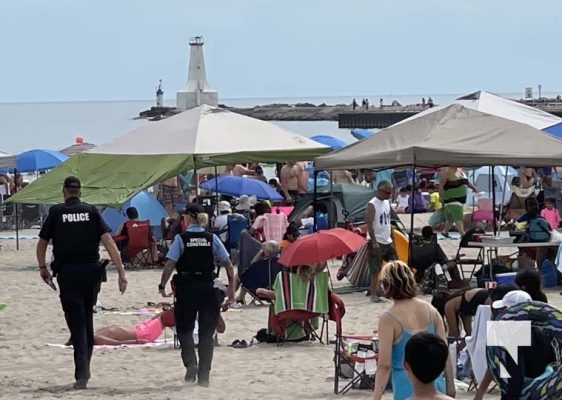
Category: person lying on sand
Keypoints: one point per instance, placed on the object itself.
(146, 331)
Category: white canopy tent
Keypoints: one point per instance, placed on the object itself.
(453, 135)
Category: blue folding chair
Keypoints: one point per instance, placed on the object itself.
(236, 223)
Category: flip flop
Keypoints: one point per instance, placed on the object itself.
(378, 300)
(242, 344)
(2, 306)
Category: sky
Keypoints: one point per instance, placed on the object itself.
(70, 50)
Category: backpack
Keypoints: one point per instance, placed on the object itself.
(538, 230)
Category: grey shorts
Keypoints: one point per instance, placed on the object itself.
(386, 253)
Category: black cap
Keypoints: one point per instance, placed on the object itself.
(193, 209)
(72, 182)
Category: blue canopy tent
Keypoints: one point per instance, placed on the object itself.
(361, 134)
(147, 206)
(330, 141)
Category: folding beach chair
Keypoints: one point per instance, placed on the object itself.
(260, 274)
(30, 216)
(136, 243)
(236, 223)
(299, 305)
(355, 356)
(460, 257)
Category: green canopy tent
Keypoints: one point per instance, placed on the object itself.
(203, 136)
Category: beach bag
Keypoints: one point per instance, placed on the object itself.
(263, 336)
(538, 230)
(432, 282)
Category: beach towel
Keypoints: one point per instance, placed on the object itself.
(158, 343)
(292, 293)
(358, 270)
(21, 236)
(476, 344)
(147, 311)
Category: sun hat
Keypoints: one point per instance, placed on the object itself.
(224, 206)
(245, 202)
(512, 298)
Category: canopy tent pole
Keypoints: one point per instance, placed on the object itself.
(332, 206)
(16, 211)
(494, 222)
(216, 208)
(411, 205)
(503, 194)
(315, 201)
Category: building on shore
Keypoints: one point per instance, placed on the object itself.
(197, 90)
(159, 95)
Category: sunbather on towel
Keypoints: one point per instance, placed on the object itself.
(146, 331)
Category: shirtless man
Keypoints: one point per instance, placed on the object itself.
(292, 180)
(342, 176)
(169, 190)
(237, 170)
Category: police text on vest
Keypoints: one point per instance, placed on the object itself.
(76, 217)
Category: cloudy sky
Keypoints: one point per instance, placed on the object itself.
(118, 49)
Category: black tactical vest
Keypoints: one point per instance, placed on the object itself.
(197, 260)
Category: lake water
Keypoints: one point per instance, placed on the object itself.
(54, 125)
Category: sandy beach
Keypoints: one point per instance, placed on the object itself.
(29, 368)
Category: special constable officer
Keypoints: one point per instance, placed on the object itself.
(75, 229)
(192, 253)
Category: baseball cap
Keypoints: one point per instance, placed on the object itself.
(512, 298)
(72, 182)
(224, 206)
(193, 209)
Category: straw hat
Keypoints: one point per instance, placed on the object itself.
(245, 202)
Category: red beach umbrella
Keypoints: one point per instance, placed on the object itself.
(321, 246)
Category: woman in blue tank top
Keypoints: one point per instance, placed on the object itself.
(407, 316)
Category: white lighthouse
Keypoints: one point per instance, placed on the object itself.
(159, 95)
(197, 90)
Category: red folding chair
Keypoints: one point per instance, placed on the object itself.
(346, 358)
(136, 243)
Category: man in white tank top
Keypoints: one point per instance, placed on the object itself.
(380, 245)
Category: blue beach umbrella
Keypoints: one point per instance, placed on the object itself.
(361, 133)
(39, 160)
(330, 141)
(148, 207)
(237, 186)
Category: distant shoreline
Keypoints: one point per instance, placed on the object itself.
(326, 112)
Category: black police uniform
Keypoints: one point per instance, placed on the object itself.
(75, 229)
(196, 299)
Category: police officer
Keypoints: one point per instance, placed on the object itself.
(192, 253)
(75, 229)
